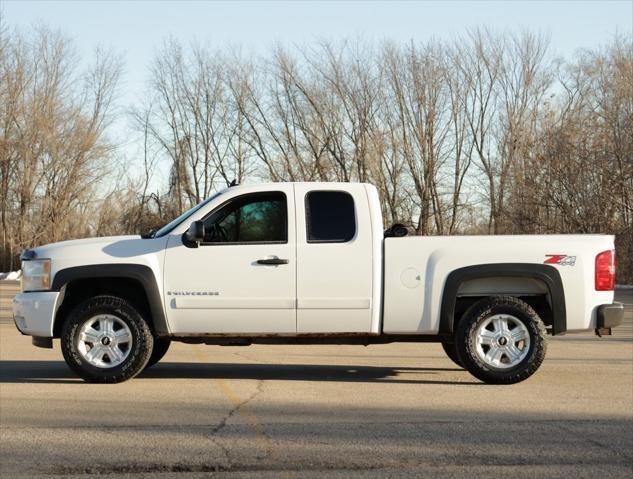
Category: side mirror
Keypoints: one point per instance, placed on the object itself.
(195, 233)
(397, 230)
(148, 234)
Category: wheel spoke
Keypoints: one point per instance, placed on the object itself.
(95, 354)
(106, 325)
(493, 356)
(513, 352)
(518, 334)
(89, 335)
(115, 354)
(122, 336)
(485, 336)
(500, 324)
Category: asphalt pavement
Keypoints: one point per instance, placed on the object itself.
(398, 410)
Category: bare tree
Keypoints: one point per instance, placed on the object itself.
(194, 121)
(481, 134)
(54, 151)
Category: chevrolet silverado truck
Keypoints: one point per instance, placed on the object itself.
(310, 263)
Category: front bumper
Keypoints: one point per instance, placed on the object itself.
(34, 313)
(609, 316)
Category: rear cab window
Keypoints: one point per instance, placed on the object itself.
(330, 217)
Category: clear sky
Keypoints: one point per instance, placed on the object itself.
(136, 28)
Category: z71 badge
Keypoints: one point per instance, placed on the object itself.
(560, 259)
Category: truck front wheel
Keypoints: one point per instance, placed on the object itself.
(501, 340)
(106, 340)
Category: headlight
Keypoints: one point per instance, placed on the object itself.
(36, 275)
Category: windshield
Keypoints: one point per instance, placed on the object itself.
(183, 217)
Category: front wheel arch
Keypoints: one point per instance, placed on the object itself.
(136, 283)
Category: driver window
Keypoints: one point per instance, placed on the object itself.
(255, 218)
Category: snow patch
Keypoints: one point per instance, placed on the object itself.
(11, 275)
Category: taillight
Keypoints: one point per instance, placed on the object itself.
(605, 271)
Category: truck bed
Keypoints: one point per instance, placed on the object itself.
(416, 270)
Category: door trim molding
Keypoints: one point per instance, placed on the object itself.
(334, 303)
(232, 303)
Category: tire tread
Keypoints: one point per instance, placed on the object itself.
(483, 309)
(142, 346)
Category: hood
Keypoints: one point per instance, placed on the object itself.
(109, 250)
(106, 250)
(100, 250)
(45, 251)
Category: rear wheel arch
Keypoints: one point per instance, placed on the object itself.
(548, 275)
(135, 283)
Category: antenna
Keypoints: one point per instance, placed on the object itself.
(233, 183)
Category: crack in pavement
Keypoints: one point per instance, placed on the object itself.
(271, 453)
(239, 407)
(218, 427)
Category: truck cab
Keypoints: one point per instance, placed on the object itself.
(280, 259)
(312, 263)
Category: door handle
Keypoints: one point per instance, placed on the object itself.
(273, 261)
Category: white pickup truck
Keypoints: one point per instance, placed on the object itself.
(308, 263)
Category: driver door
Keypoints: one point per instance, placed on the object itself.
(242, 278)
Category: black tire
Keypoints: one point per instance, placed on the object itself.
(161, 346)
(140, 346)
(515, 309)
(451, 351)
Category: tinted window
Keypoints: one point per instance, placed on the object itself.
(249, 218)
(330, 216)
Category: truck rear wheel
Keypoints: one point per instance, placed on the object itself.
(451, 351)
(501, 340)
(106, 340)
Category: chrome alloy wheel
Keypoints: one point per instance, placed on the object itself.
(502, 341)
(104, 341)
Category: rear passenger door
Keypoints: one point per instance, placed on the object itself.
(334, 259)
